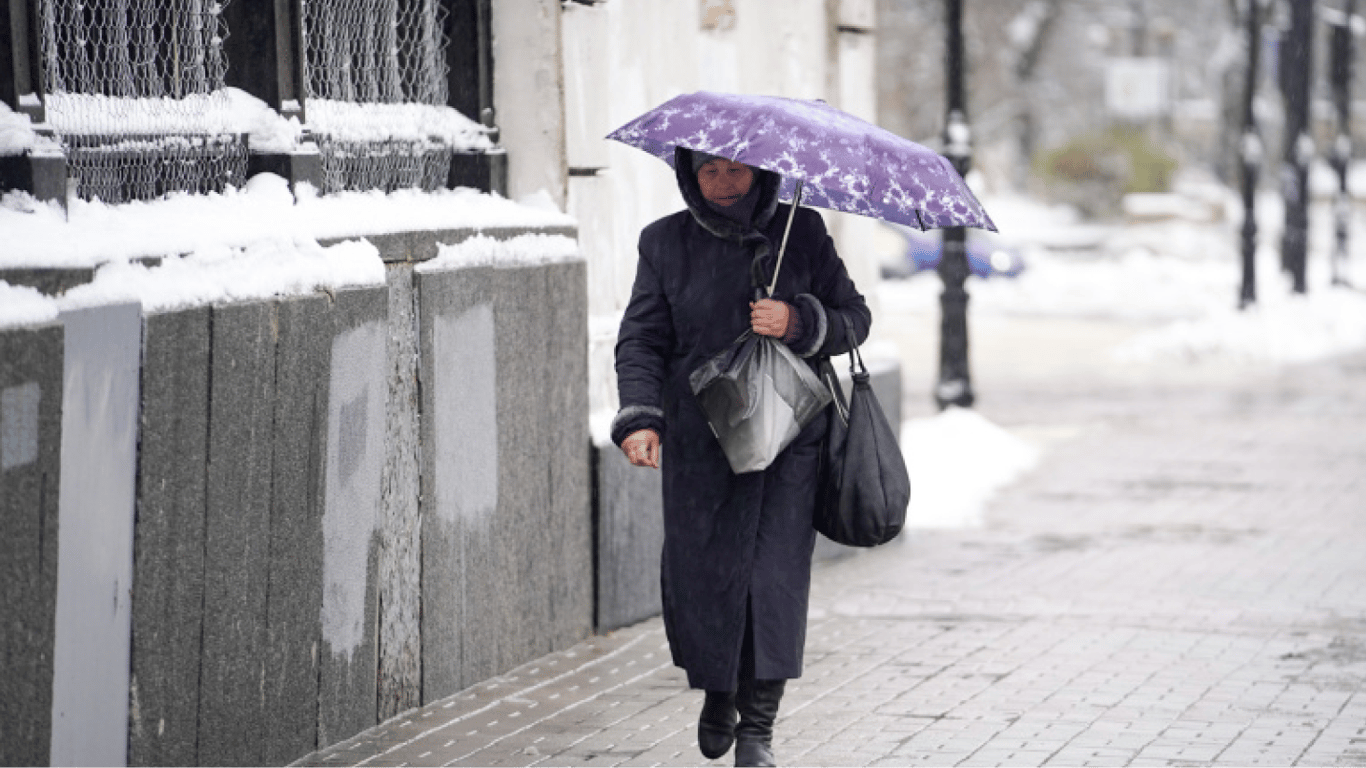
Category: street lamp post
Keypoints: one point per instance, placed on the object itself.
(1342, 54)
(1296, 59)
(955, 382)
(1251, 154)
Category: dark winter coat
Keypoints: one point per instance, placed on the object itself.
(729, 540)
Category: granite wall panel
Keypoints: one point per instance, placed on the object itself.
(30, 476)
(168, 542)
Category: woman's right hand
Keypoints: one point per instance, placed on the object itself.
(642, 448)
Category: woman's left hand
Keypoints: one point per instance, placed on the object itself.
(769, 317)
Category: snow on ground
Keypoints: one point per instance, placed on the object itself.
(1175, 278)
(957, 460)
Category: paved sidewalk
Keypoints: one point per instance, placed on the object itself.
(1182, 581)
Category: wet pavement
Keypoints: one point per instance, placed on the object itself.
(1181, 581)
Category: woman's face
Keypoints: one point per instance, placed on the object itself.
(724, 181)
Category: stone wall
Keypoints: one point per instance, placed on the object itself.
(312, 512)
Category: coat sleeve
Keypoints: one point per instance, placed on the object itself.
(833, 298)
(644, 342)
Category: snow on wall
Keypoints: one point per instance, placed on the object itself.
(349, 121)
(16, 132)
(92, 233)
(222, 274)
(481, 250)
(23, 306)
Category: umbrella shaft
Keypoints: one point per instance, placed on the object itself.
(796, 201)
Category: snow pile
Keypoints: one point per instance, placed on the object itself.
(16, 132)
(957, 460)
(349, 121)
(221, 274)
(231, 111)
(21, 305)
(522, 250)
(92, 233)
(1295, 330)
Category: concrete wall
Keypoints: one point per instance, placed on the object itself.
(529, 95)
(246, 481)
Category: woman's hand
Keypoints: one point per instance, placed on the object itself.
(642, 448)
(769, 317)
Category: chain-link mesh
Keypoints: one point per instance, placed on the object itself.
(385, 165)
(377, 52)
(131, 85)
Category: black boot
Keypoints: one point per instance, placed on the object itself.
(716, 724)
(758, 702)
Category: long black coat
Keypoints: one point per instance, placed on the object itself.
(729, 540)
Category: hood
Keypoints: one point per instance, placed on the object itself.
(715, 223)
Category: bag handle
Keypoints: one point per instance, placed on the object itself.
(828, 371)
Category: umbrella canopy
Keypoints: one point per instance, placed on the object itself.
(843, 163)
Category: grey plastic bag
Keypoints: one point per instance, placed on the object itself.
(757, 397)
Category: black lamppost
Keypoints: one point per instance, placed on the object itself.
(955, 383)
(1341, 72)
(1251, 154)
(1296, 58)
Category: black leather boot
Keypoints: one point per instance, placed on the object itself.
(716, 724)
(757, 701)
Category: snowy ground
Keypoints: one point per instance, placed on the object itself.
(1176, 279)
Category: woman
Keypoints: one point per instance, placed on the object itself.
(736, 566)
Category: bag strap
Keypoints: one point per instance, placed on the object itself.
(854, 354)
(828, 371)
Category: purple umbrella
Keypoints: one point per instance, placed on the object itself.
(839, 161)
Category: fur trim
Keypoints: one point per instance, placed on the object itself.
(822, 324)
(630, 412)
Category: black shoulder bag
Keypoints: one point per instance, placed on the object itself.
(863, 486)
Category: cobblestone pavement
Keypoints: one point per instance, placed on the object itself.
(1182, 581)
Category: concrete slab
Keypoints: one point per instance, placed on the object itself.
(168, 563)
(293, 626)
(357, 389)
(237, 534)
(30, 473)
(90, 685)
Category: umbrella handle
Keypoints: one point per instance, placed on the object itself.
(796, 201)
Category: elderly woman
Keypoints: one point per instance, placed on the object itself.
(736, 566)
